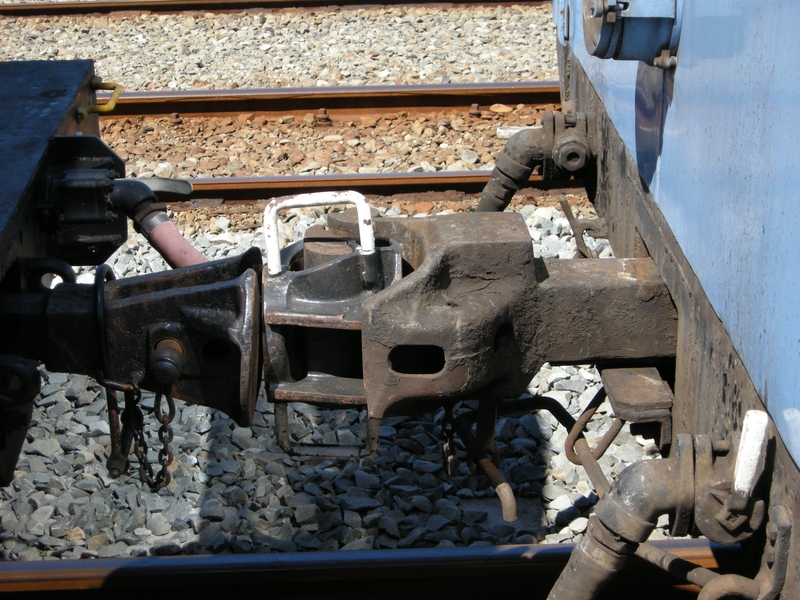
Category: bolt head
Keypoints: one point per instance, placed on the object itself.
(165, 372)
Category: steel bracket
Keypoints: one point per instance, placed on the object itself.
(640, 395)
(73, 200)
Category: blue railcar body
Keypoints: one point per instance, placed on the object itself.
(715, 139)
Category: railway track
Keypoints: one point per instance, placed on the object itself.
(484, 570)
(378, 184)
(32, 9)
(472, 572)
(340, 105)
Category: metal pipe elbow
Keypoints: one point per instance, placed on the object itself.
(128, 194)
(524, 151)
(646, 490)
(625, 516)
(527, 147)
(139, 203)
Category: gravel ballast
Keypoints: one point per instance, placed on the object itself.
(254, 145)
(297, 48)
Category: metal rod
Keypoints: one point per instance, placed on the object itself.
(108, 6)
(117, 462)
(593, 470)
(365, 227)
(290, 569)
(340, 103)
(675, 565)
(384, 184)
(501, 488)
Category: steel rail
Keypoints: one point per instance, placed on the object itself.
(380, 184)
(338, 101)
(32, 9)
(425, 573)
(341, 103)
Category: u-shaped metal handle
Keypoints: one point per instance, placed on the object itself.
(365, 227)
(99, 84)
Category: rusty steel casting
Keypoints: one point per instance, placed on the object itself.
(462, 310)
(479, 315)
(113, 328)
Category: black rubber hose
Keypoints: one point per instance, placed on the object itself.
(523, 152)
(149, 216)
(128, 194)
(592, 565)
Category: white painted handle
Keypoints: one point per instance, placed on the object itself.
(365, 228)
(752, 447)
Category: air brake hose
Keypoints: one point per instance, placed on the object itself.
(595, 560)
(624, 518)
(523, 152)
(149, 217)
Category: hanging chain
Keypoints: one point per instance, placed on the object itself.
(155, 481)
(449, 445)
(132, 420)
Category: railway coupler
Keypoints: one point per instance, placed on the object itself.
(459, 310)
(192, 333)
(394, 316)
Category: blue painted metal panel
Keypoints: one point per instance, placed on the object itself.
(723, 163)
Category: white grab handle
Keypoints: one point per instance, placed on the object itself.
(365, 228)
(750, 458)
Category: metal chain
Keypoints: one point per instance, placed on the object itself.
(448, 446)
(155, 481)
(132, 420)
